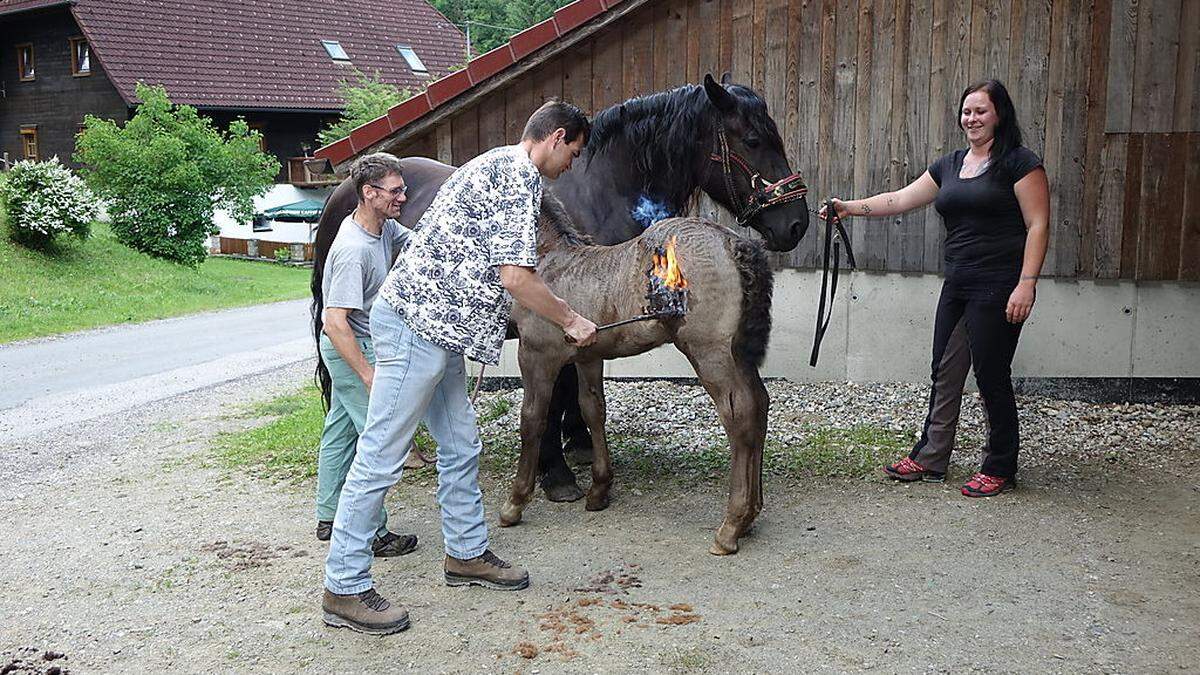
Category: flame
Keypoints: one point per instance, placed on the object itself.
(666, 267)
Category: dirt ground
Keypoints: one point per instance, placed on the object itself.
(126, 550)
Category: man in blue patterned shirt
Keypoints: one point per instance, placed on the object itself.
(448, 297)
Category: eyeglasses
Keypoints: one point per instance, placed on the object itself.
(394, 192)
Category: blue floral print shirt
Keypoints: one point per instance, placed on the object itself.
(446, 284)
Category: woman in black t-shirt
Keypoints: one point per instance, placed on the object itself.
(995, 203)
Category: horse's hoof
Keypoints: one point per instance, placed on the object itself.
(510, 515)
(562, 492)
(597, 502)
(722, 549)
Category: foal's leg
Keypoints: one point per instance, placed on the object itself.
(558, 481)
(741, 402)
(537, 377)
(591, 405)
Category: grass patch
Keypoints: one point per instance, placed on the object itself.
(100, 282)
(286, 447)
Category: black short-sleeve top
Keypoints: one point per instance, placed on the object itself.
(985, 231)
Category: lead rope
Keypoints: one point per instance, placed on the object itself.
(835, 234)
(478, 383)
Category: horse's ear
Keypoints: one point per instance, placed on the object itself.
(720, 98)
(726, 78)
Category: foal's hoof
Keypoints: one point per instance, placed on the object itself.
(562, 492)
(723, 549)
(726, 541)
(510, 514)
(597, 502)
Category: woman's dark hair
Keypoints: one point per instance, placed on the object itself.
(1008, 132)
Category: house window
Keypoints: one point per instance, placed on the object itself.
(335, 51)
(411, 57)
(81, 57)
(29, 141)
(25, 62)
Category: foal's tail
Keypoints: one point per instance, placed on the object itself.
(754, 326)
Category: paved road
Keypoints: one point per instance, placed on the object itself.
(59, 381)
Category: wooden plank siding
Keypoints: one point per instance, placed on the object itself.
(865, 93)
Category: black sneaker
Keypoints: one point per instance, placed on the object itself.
(324, 530)
(391, 545)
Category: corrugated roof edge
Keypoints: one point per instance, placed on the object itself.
(478, 69)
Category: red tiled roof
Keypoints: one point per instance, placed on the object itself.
(480, 68)
(261, 54)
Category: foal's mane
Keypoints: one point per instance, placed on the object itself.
(558, 224)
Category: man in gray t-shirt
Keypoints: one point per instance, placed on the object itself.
(359, 260)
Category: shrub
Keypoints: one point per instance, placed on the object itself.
(167, 170)
(44, 200)
(366, 98)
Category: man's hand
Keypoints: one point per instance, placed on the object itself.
(1020, 303)
(581, 331)
(367, 375)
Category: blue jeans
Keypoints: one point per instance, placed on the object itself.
(414, 380)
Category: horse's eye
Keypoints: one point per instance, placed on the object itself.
(750, 141)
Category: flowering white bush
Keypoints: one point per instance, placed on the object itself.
(44, 200)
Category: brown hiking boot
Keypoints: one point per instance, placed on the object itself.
(488, 571)
(366, 612)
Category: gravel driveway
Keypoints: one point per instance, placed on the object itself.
(127, 550)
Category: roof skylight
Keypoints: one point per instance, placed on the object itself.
(334, 48)
(412, 59)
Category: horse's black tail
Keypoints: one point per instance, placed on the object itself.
(754, 326)
(321, 376)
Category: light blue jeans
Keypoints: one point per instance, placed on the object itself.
(414, 380)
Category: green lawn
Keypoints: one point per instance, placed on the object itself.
(99, 282)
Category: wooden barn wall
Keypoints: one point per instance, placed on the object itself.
(865, 91)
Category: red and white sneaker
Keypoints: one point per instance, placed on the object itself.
(983, 485)
(908, 469)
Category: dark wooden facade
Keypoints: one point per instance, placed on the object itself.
(865, 92)
(56, 101)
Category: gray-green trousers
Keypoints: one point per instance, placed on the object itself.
(344, 422)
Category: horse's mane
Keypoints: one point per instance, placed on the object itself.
(661, 131)
(668, 132)
(555, 220)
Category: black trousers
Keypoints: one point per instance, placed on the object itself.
(971, 331)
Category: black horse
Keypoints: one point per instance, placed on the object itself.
(645, 160)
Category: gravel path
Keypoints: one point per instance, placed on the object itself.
(127, 550)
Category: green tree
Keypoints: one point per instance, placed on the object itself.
(505, 17)
(367, 97)
(167, 169)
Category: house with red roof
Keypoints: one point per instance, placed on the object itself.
(276, 63)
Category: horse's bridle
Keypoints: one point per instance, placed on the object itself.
(763, 195)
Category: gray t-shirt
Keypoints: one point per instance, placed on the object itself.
(358, 263)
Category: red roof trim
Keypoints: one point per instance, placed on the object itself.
(448, 87)
(483, 67)
(577, 13)
(337, 152)
(409, 110)
(480, 68)
(534, 38)
(368, 133)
